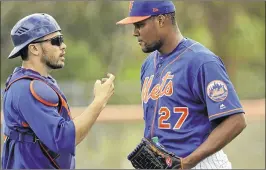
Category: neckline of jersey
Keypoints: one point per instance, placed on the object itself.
(32, 72)
(176, 48)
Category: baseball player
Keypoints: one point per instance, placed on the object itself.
(39, 130)
(189, 102)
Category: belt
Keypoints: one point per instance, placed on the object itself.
(31, 137)
(20, 136)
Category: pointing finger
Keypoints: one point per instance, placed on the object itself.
(104, 80)
(111, 77)
(98, 82)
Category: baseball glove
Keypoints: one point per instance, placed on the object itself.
(147, 155)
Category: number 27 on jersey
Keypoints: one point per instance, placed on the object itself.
(165, 114)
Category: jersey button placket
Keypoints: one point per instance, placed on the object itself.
(158, 70)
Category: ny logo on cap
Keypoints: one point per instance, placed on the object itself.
(155, 9)
(130, 5)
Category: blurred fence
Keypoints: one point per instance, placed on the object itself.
(255, 109)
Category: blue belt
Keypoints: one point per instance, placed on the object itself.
(20, 136)
(31, 137)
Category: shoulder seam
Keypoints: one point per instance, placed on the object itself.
(195, 75)
(197, 72)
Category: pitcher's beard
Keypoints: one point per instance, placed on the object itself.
(155, 46)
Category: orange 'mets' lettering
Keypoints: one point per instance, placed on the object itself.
(158, 90)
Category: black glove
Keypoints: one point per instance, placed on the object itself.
(148, 155)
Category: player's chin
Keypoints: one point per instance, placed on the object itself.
(144, 49)
(147, 50)
(57, 66)
(60, 63)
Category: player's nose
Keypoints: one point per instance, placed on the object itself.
(136, 32)
(63, 46)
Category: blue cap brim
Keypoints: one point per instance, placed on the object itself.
(15, 52)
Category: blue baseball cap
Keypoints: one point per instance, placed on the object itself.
(140, 10)
(31, 28)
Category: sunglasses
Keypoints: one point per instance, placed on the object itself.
(58, 40)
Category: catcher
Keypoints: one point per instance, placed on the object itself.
(39, 130)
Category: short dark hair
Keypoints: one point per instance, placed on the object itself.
(24, 53)
(172, 17)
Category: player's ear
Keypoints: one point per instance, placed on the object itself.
(32, 48)
(161, 20)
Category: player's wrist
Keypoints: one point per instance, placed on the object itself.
(97, 104)
(188, 163)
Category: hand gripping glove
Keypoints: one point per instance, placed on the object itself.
(149, 155)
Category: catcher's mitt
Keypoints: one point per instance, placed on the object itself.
(148, 155)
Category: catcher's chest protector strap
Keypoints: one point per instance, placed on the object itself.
(34, 88)
(44, 93)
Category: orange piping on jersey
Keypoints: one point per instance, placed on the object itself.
(33, 78)
(15, 81)
(156, 105)
(217, 114)
(154, 62)
(49, 156)
(24, 124)
(39, 98)
(64, 104)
